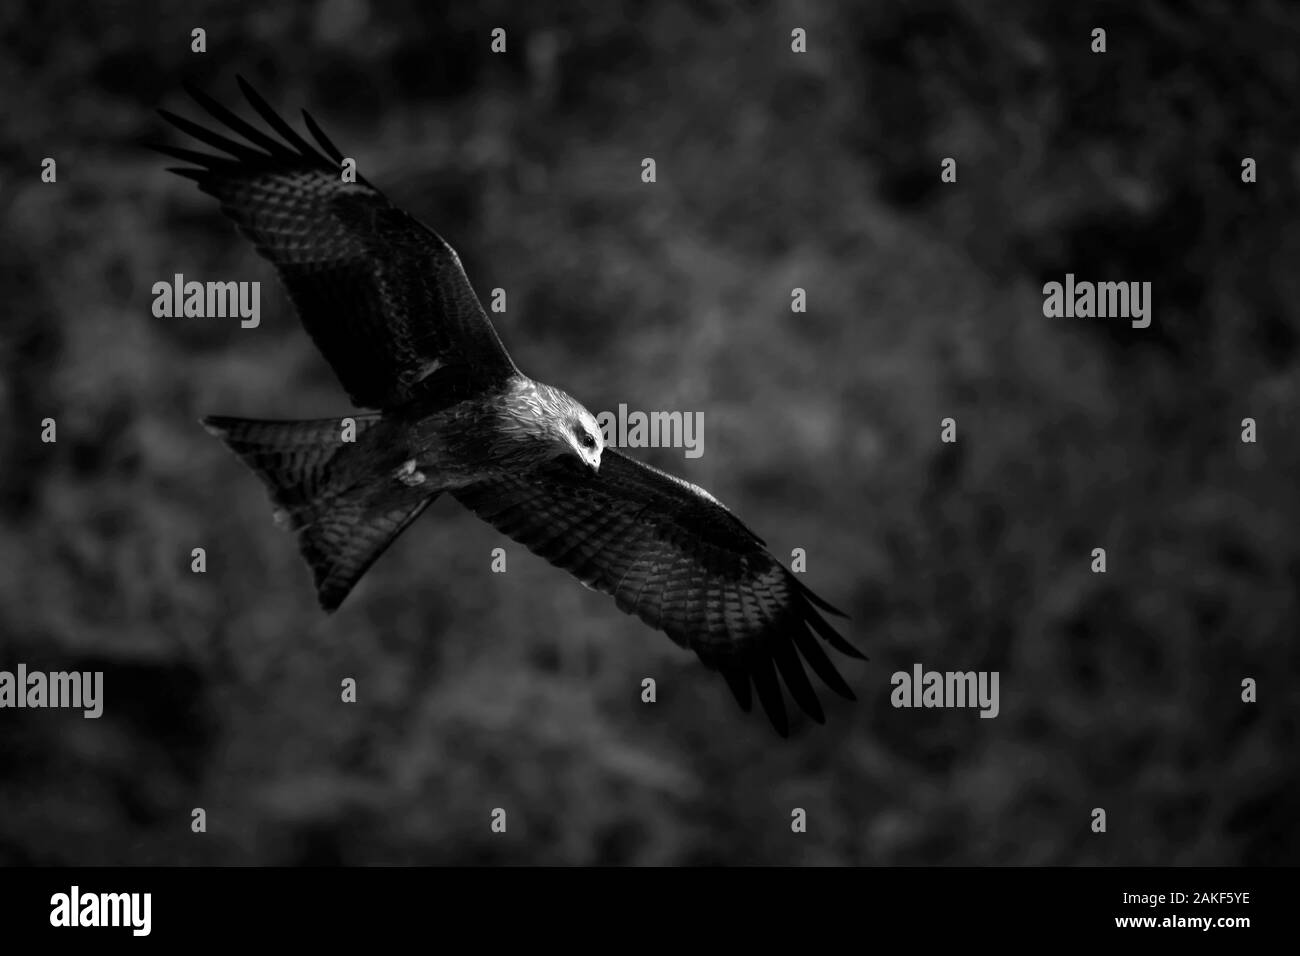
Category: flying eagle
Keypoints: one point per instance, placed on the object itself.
(387, 303)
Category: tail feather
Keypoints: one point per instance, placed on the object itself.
(291, 458)
(342, 544)
(344, 522)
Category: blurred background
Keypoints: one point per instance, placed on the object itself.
(775, 171)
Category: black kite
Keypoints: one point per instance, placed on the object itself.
(386, 301)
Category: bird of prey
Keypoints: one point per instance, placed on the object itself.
(387, 302)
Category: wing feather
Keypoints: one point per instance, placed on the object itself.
(763, 674)
(384, 298)
(670, 554)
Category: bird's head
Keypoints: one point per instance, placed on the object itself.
(583, 437)
(573, 431)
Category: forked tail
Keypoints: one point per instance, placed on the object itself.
(343, 523)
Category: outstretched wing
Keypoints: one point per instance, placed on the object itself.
(383, 296)
(671, 554)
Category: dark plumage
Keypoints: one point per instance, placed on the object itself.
(386, 301)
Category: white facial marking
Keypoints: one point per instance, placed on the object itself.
(587, 439)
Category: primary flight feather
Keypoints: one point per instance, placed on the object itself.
(387, 303)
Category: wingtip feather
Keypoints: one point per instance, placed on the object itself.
(324, 141)
(818, 601)
(796, 680)
(274, 119)
(739, 684)
(821, 664)
(830, 635)
(763, 673)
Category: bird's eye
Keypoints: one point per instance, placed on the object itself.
(583, 436)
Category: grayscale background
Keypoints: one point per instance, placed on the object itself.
(820, 171)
